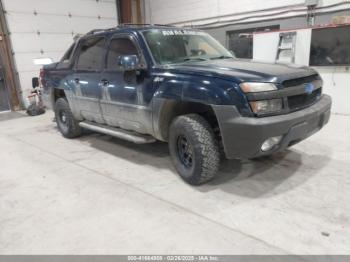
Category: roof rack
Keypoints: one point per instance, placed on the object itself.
(131, 24)
(96, 31)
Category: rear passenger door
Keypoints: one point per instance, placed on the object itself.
(87, 75)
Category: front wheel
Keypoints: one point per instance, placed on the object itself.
(66, 123)
(194, 149)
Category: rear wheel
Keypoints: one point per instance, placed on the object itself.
(66, 123)
(194, 149)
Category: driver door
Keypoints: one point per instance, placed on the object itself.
(123, 101)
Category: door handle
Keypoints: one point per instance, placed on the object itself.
(77, 80)
(104, 82)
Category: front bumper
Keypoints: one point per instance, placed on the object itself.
(243, 136)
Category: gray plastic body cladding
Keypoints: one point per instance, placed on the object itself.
(243, 136)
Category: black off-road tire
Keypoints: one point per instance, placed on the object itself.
(66, 123)
(204, 149)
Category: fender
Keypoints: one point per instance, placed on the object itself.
(185, 90)
(60, 80)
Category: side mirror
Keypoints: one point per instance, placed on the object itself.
(35, 82)
(129, 62)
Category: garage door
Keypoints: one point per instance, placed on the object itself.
(45, 29)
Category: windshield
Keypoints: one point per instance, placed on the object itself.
(177, 46)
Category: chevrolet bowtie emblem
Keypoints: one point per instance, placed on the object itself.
(309, 88)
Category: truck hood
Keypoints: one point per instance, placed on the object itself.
(242, 70)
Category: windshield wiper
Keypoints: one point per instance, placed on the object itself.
(194, 59)
(221, 57)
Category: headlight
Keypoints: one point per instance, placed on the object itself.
(266, 106)
(257, 87)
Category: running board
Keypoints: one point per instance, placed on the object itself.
(118, 132)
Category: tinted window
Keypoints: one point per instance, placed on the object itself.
(91, 54)
(119, 47)
(330, 46)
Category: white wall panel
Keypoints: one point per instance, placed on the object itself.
(63, 7)
(29, 43)
(336, 84)
(220, 12)
(28, 23)
(303, 46)
(265, 46)
(45, 28)
(238, 6)
(163, 11)
(173, 11)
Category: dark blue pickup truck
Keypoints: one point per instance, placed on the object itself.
(152, 82)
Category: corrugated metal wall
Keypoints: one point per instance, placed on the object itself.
(45, 28)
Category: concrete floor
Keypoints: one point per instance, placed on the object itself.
(96, 194)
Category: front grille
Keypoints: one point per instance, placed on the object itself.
(294, 93)
(300, 81)
(299, 101)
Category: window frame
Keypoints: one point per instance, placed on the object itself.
(133, 39)
(77, 55)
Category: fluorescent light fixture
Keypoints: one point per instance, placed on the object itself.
(42, 61)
